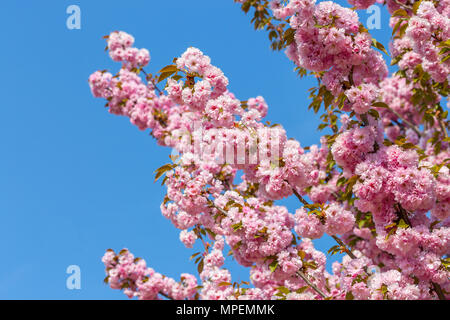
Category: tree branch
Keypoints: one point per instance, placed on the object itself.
(444, 129)
(404, 215)
(154, 84)
(409, 124)
(342, 244)
(305, 203)
(437, 288)
(404, 6)
(309, 283)
(165, 295)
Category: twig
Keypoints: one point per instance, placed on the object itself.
(437, 288)
(405, 6)
(309, 283)
(305, 203)
(339, 241)
(165, 295)
(404, 215)
(364, 119)
(151, 80)
(444, 129)
(211, 203)
(342, 244)
(409, 124)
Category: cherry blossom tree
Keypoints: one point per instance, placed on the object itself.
(378, 184)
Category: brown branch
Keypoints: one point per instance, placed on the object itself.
(151, 80)
(305, 203)
(364, 119)
(312, 285)
(165, 295)
(409, 124)
(444, 129)
(211, 203)
(404, 6)
(342, 244)
(403, 214)
(437, 288)
(339, 241)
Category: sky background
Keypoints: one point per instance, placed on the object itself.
(76, 180)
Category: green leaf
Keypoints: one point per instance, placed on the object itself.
(379, 46)
(374, 113)
(170, 68)
(400, 13)
(301, 254)
(273, 266)
(224, 284)
(284, 290)
(195, 254)
(402, 224)
(200, 266)
(288, 36)
(165, 75)
(397, 25)
(160, 171)
(301, 290)
(434, 224)
(416, 6)
(237, 226)
(380, 105)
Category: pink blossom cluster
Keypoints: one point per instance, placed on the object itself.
(394, 174)
(397, 92)
(254, 231)
(425, 31)
(362, 97)
(131, 274)
(363, 4)
(120, 45)
(336, 220)
(303, 256)
(230, 200)
(328, 39)
(352, 277)
(354, 144)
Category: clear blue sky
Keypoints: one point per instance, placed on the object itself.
(75, 180)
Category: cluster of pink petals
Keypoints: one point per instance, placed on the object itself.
(336, 220)
(233, 199)
(328, 39)
(137, 280)
(424, 33)
(120, 45)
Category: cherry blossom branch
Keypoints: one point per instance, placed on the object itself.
(165, 295)
(444, 129)
(337, 239)
(211, 203)
(151, 80)
(405, 6)
(344, 246)
(404, 215)
(437, 288)
(303, 201)
(312, 285)
(409, 124)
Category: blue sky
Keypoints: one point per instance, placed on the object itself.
(75, 180)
